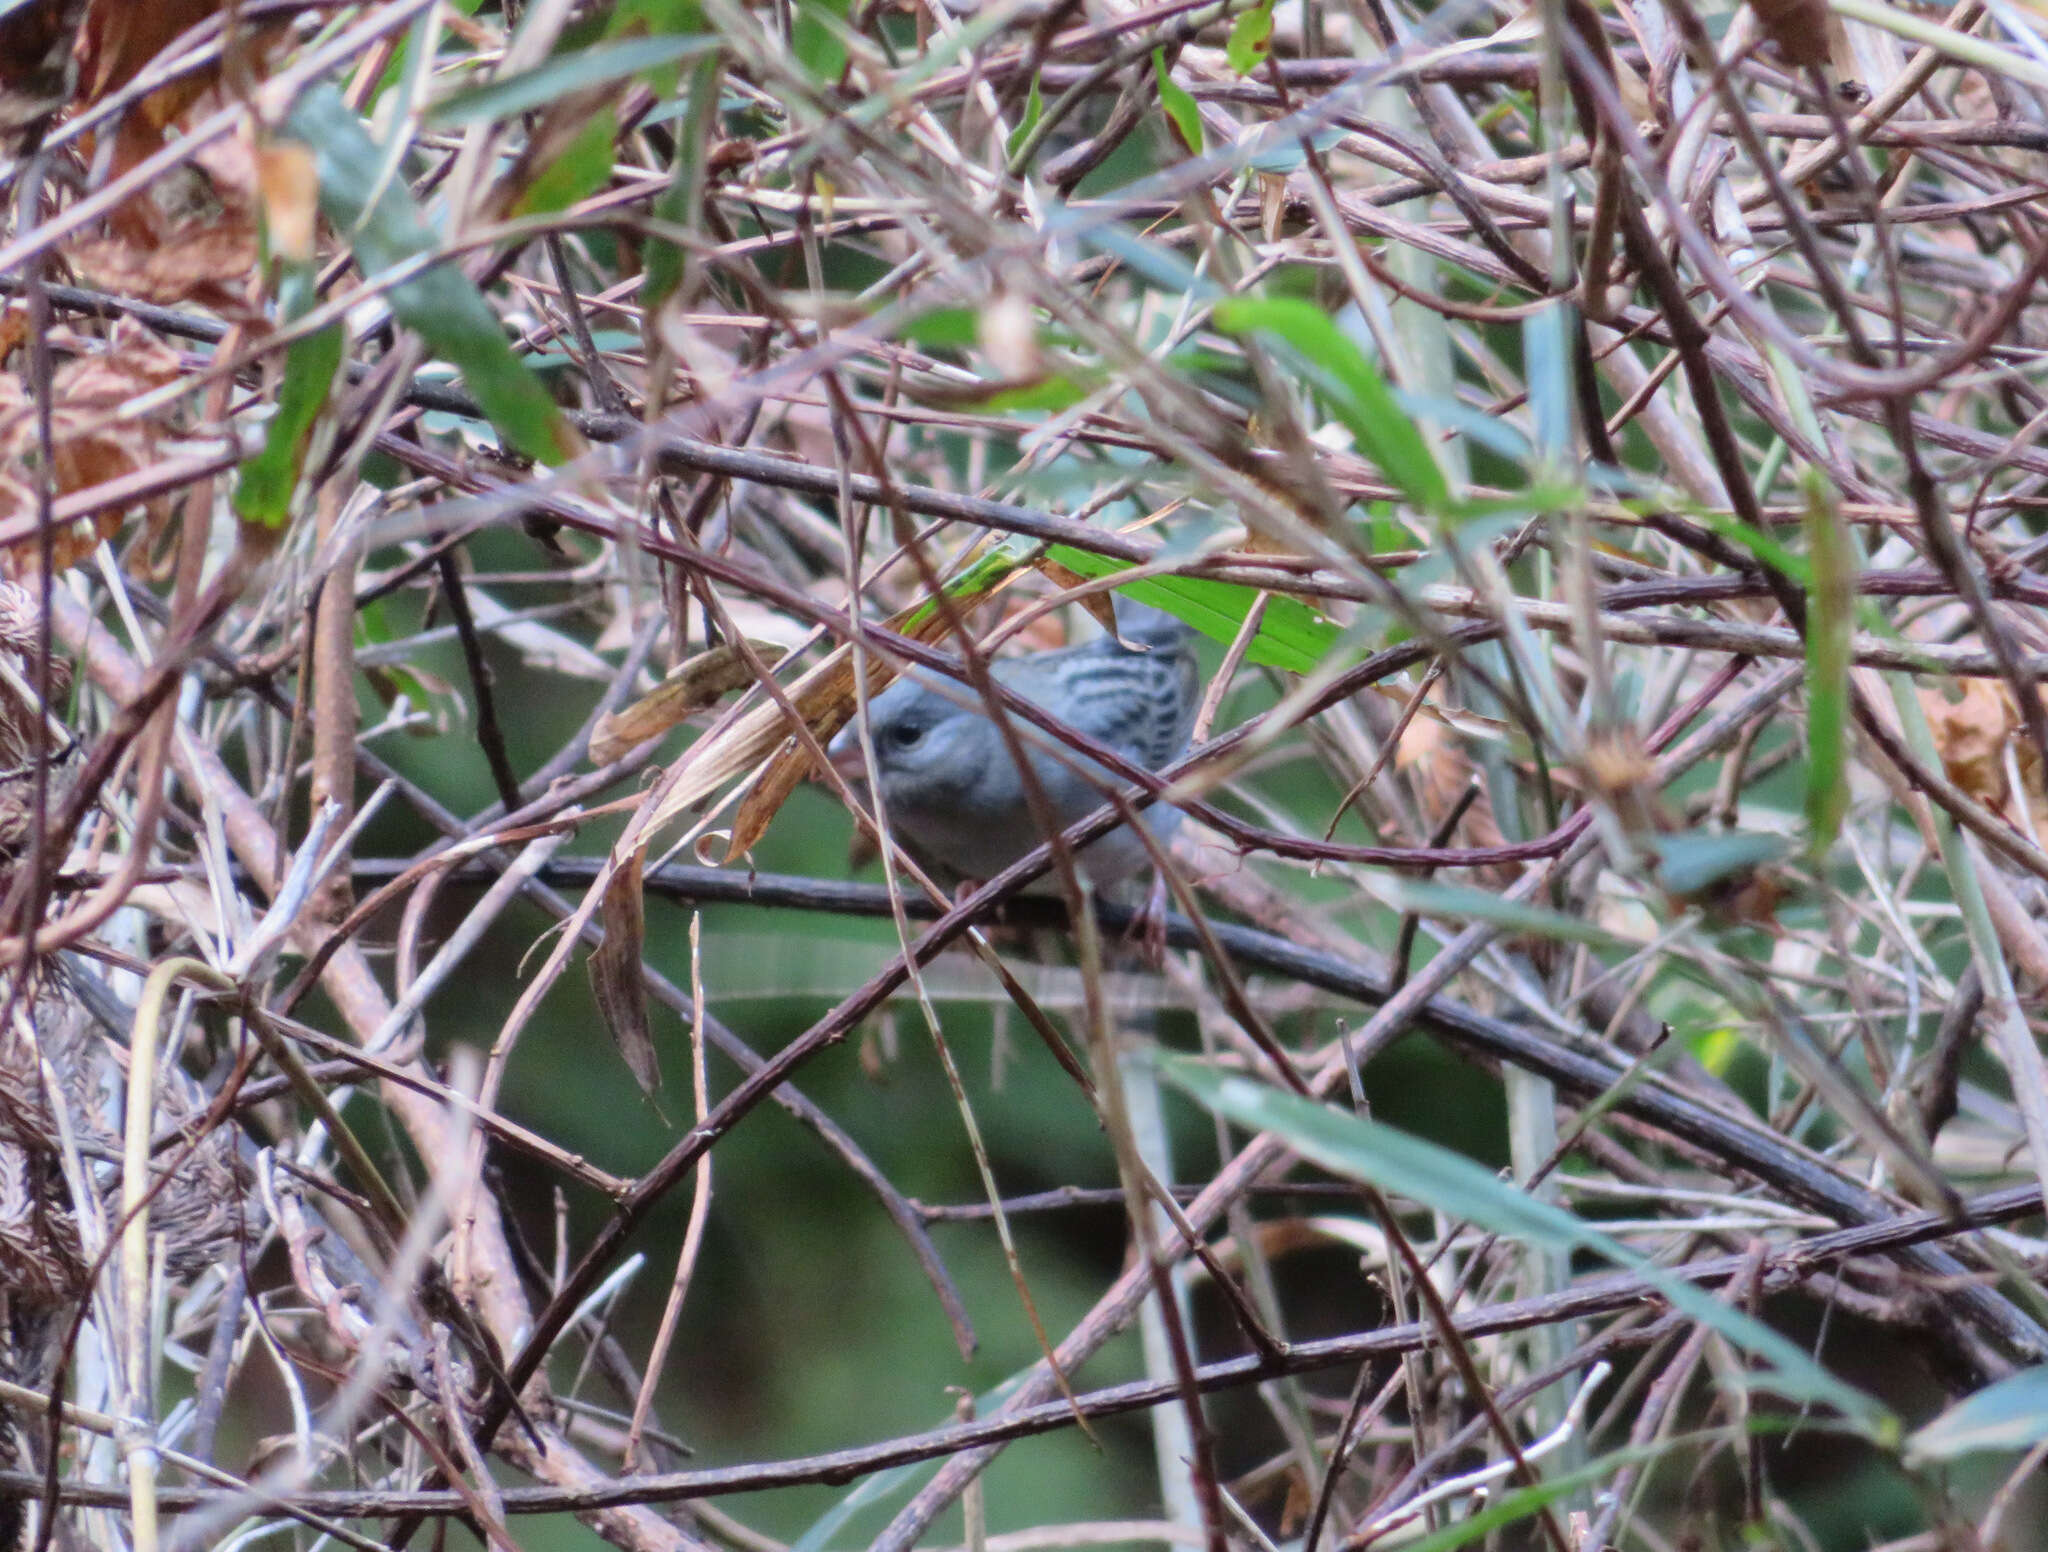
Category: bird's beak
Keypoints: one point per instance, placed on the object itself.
(844, 752)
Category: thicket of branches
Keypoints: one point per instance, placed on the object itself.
(1600, 441)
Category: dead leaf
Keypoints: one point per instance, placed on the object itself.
(695, 684)
(197, 264)
(615, 972)
(787, 768)
(1100, 607)
(91, 442)
(289, 187)
(1971, 732)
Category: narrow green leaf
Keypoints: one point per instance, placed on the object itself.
(1466, 903)
(1054, 392)
(2011, 1414)
(677, 206)
(1358, 1149)
(1356, 392)
(1758, 543)
(942, 327)
(663, 18)
(815, 39)
(578, 172)
(1181, 111)
(1034, 110)
(1291, 635)
(441, 305)
(1831, 615)
(597, 65)
(1251, 38)
(1547, 345)
(263, 488)
(1283, 153)
(1517, 1504)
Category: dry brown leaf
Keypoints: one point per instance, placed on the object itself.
(1971, 731)
(288, 184)
(91, 443)
(1099, 606)
(695, 684)
(615, 972)
(787, 769)
(198, 263)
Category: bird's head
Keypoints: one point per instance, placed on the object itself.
(929, 751)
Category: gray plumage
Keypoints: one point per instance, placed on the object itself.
(953, 793)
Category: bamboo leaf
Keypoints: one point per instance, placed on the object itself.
(1181, 111)
(263, 489)
(441, 305)
(1353, 387)
(1359, 1149)
(564, 74)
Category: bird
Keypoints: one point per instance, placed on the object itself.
(956, 799)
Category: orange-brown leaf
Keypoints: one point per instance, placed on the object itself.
(200, 261)
(1971, 733)
(92, 442)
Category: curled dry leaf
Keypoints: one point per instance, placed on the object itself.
(615, 973)
(694, 684)
(92, 442)
(1099, 606)
(1971, 731)
(1978, 736)
(195, 263)
(288, 183)
(196, 241)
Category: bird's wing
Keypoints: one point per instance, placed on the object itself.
(1141, 704)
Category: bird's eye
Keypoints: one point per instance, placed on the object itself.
(905, 735)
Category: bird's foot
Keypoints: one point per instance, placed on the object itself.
(1147, 932)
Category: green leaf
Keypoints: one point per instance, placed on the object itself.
(1759, 544)
(1547, 346)
(1356, 392)
(1054, 392)
(1034, 110)
(1358, 1149)
(662, 264)
(1251, 38)
(597, 65)
(1283, 153)
(1291, 635)
(578, 172)
(1467, 903)
(815, 39)
(263, 488)
(440, 305)
(943, 327)
(1516, 1504)
(1831, 615)
(1181, 111)
(2011, 1414)
(663, 18)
